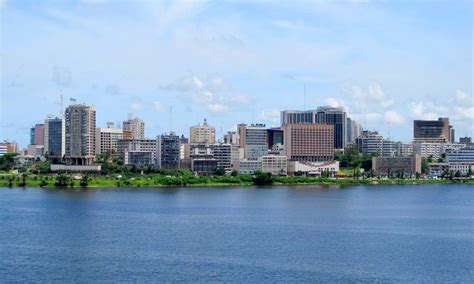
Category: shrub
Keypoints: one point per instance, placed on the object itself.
(261, 178)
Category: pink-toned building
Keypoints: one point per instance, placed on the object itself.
(309, 142)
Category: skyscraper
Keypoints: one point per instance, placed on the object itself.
(309, 142)
(253, 139)
(80, 123)
(54, 137)
(432, 131)
(37, 135)
(168, 151)
(202, 134)
(134, 128)
(335, 116)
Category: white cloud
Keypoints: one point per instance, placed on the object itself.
(211, 93)
(240, 99)
(217, 107)
(199, 84)
(393, 117)
(270, 115)
(136, 105)
(157, 106)
(333, 102)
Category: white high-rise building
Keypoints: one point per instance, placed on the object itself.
(106, 140)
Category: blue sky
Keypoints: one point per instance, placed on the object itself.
(387, 62)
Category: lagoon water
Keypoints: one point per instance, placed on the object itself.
(422, 233)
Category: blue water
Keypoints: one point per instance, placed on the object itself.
(306, 234)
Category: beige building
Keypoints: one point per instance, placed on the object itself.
(133, 128)
(106, 140)
(80, 122)
(393, 166)
(274, 164)
(309, 142)
(202, 134)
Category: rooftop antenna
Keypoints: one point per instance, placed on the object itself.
(171, 118)
(61, 101)
(304, 96)
(388, 130)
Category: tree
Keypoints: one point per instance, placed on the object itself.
(84, 181)
(425, 165)
(43, 183)
(10, 181)
(418, 175)
(261, 178)
(234, 173)
(61, 180)
(23, 180)
(6, 161)
(219, 171)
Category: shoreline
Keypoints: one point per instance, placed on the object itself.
(48, 182)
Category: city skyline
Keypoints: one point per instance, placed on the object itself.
(234, 62)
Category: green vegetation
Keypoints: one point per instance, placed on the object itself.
(262, 179)
(356, 169)
(187, 179)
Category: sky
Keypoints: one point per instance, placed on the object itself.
(174, 63)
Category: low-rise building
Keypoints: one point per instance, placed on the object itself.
(276, 165)
(35, 150)
(11, 147)
(139, 158)
(137, 145)
(313, 168)
(461, 160)
(204, 166)
(392, 166)
(437, 169)
(249, 167)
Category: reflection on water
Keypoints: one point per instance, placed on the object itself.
(305, 233)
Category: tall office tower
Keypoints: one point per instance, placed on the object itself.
(253, 139)
(106, 140)
(168, 151)
(452, 137)
(353, 130)
(432, 131)
(275, 136)
(134, 128)
(334, 116)
(309, 142)
(322, 115)
(80, 134)
(370, 142)
(202, 134)
(297, 116)
(231, 137)
(37, 135)
(54, 137)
